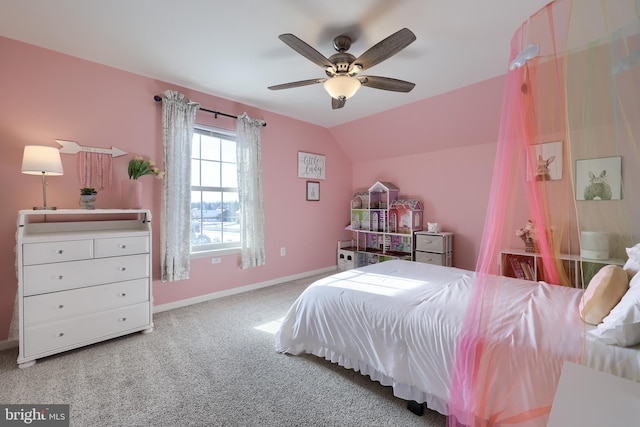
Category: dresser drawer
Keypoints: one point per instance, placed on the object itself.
(51, 307)
(430, 258)
(40, 279)
(48, 252)
(429, 243)
(66, 334)
(117, 246)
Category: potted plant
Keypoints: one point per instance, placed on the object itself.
(88, 198)
(132, 188)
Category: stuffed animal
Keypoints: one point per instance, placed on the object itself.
(599, 188)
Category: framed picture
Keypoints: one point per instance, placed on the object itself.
(313, 190)
(599, 179)
(545, 162)
(311, 165)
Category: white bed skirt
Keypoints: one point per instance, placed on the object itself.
(399, 322)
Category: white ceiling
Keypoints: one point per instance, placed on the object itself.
(231, 48)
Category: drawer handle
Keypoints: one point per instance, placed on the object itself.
(60, 334)
(122, 319)
(123, 268)
(59, 251)
(122, 246)
(61, 306)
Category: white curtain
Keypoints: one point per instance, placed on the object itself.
(178, 119)
(250, 191)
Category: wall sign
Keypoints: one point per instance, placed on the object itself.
(311, 165)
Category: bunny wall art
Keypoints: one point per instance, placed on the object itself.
(599, 188)
(542, 169)
(545, 161)
(599, 179)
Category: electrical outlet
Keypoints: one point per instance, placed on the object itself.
(283, 251)
(215, 260)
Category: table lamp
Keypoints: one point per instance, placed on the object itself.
(594, 245)
(42, 160)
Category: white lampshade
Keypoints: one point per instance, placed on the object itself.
(594, 245)
(39, 160)
(342, 86)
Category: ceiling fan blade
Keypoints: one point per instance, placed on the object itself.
(384, 49)
(386, 83)
(297, 84)
(307, 51)
(338, 103)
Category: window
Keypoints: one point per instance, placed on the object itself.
(215, 206)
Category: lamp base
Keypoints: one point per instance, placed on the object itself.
(44, 208)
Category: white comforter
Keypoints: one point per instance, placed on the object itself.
(399, 323)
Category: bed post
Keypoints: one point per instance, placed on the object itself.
(415, 407)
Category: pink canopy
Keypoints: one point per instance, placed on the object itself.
(567, 160)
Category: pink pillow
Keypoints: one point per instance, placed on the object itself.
(605, 290)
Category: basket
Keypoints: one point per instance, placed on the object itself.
(529, 245)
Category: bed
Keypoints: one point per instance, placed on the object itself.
(398, 322)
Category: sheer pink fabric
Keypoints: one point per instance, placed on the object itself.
(581, 91)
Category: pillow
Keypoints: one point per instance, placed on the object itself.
(632, 266)
(622, 326)
(605, 290)
(634, 252)
(635, 281)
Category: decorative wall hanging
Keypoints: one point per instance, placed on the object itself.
(599, 179)
(313, 190)
(311, 165)
(545, 162)
(94, 164)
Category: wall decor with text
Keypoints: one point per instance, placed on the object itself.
(311, 165)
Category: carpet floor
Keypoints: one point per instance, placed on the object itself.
(209, 364)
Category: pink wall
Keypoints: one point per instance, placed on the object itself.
(48, 96)
(453, 185)
(440, 150)
(422, 148)
(460, 118)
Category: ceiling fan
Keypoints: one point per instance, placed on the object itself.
(342, 68)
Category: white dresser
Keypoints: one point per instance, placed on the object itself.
(84, 276)
(434, 248)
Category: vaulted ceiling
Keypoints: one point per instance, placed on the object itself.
(231, 48)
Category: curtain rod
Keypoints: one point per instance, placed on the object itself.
(215, 113)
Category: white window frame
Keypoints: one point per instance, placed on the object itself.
(214, 249)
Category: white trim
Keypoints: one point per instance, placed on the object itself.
(239, 290)
(215, 253)
(8, 344)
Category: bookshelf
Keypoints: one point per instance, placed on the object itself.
(529, 266)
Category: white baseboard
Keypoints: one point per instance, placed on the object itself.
(7, 344)
(239, 290)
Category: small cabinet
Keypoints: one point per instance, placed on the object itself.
(434, 248)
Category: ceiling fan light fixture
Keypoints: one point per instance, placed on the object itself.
(342, 86)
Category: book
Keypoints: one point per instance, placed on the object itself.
(526, 269)
(516, 267)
